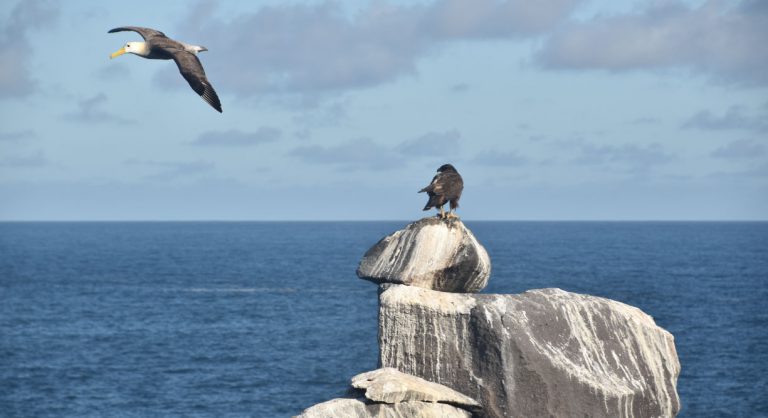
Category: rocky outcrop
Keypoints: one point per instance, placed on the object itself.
(357, 408)
(433, 253)
(540, 353)
(390, 393)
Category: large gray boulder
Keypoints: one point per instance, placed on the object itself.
(389, 393)
(540, 353)
(433, 253)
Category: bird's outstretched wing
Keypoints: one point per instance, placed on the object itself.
(192, 70)
(145, 33)
(434, 186)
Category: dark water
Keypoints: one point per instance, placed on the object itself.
(265, 319)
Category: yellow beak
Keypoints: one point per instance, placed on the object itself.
(117, 53)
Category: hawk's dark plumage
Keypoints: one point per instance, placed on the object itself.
(445, 187)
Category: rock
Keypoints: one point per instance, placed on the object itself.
(389, 385)
(390, 393)
(433, 253)
(356, 408)
(540, 353)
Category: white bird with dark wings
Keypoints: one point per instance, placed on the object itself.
(158, 46)
(445, 187)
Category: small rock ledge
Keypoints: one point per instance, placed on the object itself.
(357, 408)
(389, 393)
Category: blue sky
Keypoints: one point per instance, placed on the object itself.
(551, 110)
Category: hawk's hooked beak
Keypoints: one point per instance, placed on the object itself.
(202, 48)
(117, 53)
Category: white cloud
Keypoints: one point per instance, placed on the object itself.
(169, 170)
(735, 118)
(24, 161)
(358, 154)
(740, 149)
(316, 48)
(15, 136)
(364, 153)
(632, 156)
(432, 144)
(715, 38)
(477, 19)
(15, 50)
(91, 110)
(501, 158)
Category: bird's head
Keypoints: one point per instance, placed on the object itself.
(446, 167)
(138, 48)
(198, 48)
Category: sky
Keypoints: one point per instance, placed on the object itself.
(343, 110)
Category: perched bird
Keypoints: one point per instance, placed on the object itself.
(159, 47)
(445, 187)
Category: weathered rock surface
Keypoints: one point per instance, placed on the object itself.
(540, 353)
(356, 408)
(389, 385)
(433, 253)
(390, 393)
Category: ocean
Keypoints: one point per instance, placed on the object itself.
(264, 319)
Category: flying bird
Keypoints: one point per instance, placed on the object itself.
(160, 47)
(445, 187)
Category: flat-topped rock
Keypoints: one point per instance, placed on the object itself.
(389, 393)
(356, 408)
(433, 253)
(389, 385)
(544, 352)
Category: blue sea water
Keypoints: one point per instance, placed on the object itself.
(230, 319)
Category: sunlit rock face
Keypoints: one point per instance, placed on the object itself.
(540, 353)
(433, 253)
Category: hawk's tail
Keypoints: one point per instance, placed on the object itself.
(434, 201)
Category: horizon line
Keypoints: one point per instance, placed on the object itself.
(364, 220)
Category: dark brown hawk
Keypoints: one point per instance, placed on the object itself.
(445, 187)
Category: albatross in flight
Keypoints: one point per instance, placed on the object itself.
(158, 46)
